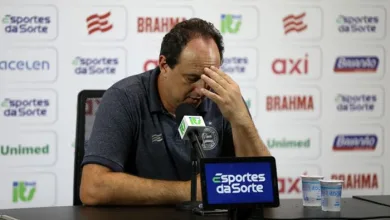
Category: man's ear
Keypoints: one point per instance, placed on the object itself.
(162, 63)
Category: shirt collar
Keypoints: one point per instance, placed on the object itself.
(154, 97)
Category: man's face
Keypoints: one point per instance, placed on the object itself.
(184, 79)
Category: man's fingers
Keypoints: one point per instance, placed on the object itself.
(217, 77)
(211, 95)
(222, 74)
(213, 84)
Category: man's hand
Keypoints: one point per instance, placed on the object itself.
(227, 94)
(101, 186)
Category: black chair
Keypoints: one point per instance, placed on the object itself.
(80, 142)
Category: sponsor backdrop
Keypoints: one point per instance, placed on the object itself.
(313, 74)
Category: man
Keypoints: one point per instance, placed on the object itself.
(135, 154)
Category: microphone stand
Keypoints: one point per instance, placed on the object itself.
(196, 153)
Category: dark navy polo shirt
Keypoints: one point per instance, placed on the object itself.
(133, 132)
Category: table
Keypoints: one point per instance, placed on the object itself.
(289, 209)
(350, 208)
(381, 200)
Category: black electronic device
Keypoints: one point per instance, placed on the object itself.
(239, 185)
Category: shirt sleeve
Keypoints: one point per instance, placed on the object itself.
(227, 144)
(113, 132)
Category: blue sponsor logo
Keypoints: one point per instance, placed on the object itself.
(356, 103)
(25, 107)
(95, 65)
(239, 182)
(357, 24)
(26, 24)
(355, 142)
(24, 65)
(348, 64)
(235, 65)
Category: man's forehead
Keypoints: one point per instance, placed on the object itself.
(198, 62)
(195, 68)
(199, 48)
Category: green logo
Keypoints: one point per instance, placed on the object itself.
(195, 120)
(340, 20)
(286, 143)
(24, 150)
(182, 127)
(217, 178)
(23, 191)
(230, 23)
(4, 103)
(6, 19)
(339, 98)
(75, 62)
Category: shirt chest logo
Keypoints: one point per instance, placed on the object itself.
(210, 138)
(157, 138)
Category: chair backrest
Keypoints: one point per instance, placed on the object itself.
(87, 104)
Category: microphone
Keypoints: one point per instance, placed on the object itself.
(191, 125)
